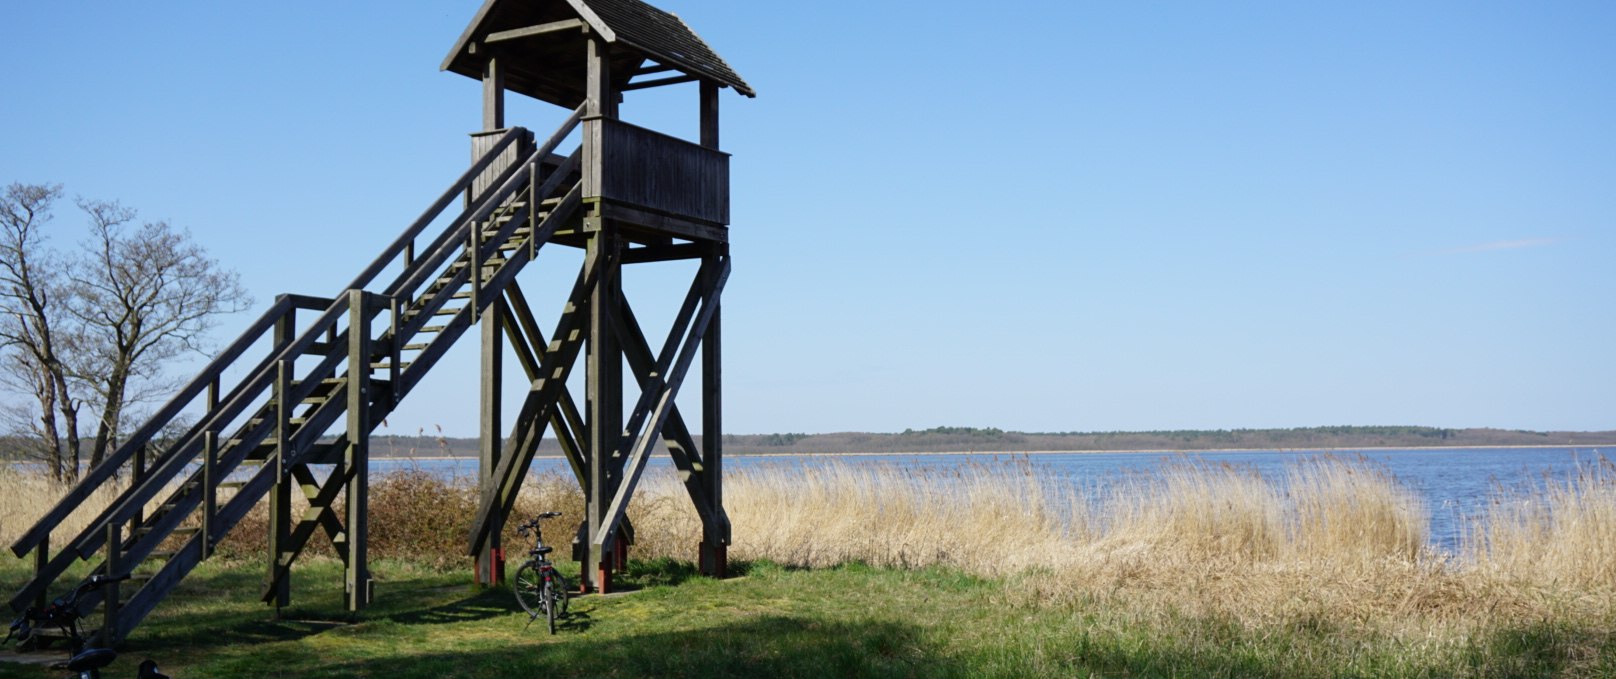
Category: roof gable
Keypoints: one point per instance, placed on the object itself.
(550, 67)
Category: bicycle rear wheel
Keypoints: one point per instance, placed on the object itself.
(550, 604)
(528, 586)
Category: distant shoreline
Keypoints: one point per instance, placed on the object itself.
(1354, 449)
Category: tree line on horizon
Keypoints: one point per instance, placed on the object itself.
(993, 440)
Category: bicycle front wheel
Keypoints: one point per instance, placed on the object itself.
(528, 586)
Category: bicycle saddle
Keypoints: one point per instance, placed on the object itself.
(543, 550)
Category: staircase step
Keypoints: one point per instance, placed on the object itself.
(231, 485)
(320, 348)
(491, 261)
(384, 365)
(416, 347)
(147, 530)
(434, 328)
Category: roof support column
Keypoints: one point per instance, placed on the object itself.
(493, 94)
(709, 115)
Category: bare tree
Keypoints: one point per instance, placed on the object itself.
(33, 332)
(143, 296)
(95, 329)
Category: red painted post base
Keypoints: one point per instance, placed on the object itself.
(490, 570)
(713, 560)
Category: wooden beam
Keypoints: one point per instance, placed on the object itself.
(601, 538)
(709, 115)
(566, 343)
(356, 577)
(531, 348)
(531, 31)
(493, 94)
(663, 224)
(659, 82)
(490, 562)
(681, 447)
(713, 553)
(663, 253)
(604, 378)
(649, 69)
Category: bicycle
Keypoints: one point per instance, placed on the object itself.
(63, 614)
(539, 589)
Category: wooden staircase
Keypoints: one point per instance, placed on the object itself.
(311, 398)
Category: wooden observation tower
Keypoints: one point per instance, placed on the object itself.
(290, 405)
(646, 197)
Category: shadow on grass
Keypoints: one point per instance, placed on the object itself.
(767, 646)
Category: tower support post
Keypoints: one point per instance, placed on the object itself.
(356, 459)
(491, 557)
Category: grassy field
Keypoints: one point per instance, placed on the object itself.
(882, 571)
(845, 621)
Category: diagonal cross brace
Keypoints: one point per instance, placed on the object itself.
(666, 389)
(527, 341)
(681, 445)
(565, 345)
(320, 514)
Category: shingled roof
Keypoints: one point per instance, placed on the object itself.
(551, 67)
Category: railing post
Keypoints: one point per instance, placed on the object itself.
(476, 263)
(135, 478)
(396, 351)
(532, 210)
(280, 499)
(41, 561)
(210, 488)
(109, 628)
(357, 583)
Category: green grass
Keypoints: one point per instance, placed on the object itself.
(847, 621)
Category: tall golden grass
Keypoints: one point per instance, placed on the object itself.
(1337, 540)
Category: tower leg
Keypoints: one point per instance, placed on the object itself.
(491, 558)
(605, 402)
(357, 582)
(714, 551)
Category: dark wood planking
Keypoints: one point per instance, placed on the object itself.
(656, 172)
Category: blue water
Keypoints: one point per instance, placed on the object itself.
(1454, 483)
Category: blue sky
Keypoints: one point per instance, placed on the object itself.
(1041, 216)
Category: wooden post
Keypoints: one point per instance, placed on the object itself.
(714, 558)
(491, 558)
(41, 561)
(709, 115)
(605, 400)
(210, 488)
(356, 577)
(493, 94)
(138, 476)
(605, 362)
(114, 565)
(490, 566)
(280, 499)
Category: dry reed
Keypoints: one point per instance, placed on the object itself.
(1335, 540)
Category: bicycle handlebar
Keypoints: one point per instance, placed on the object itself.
(533, 525)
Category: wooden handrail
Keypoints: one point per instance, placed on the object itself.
(98, 475)
(414, 229)
(450, 240)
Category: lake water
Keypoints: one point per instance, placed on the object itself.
(1454, 483)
